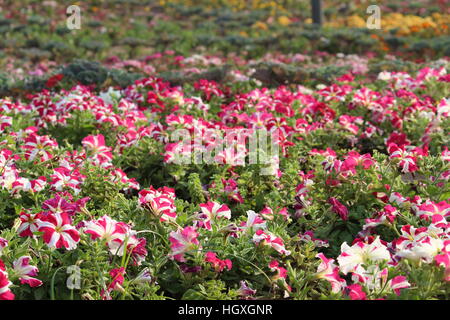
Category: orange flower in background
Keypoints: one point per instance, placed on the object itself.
(260, 25)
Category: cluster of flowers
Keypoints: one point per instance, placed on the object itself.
(59, 148)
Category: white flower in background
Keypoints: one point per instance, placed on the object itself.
(385, 76)
(110, 96)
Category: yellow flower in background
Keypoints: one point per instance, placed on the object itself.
(234, 5)
(284, 21)
(404, 25)
(356, 22)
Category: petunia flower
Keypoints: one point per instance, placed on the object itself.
(58, 231)
(26, 272)
(183, 241)
(362, 253)
(5, 284)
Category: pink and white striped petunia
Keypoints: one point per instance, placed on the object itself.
(397, 283)
(106, 228)
(429, 208)
(29, 225)
(160, 202)
(26, 272)
(268, 239)
(118, 236)
(5, 291)
(58, 231)
(101, 154)
(210, 211)
(64, 178)
(254, 221)
(281, 275)
(39, 146)
(406, 161)
(362, 253)
(329, 271)
(182, 241)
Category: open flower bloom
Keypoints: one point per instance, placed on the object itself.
(29, 225)
(115, 234)
(160, 202)
(26, 272)
(58, 204)
(120, 242)
(39, 146)
(101, 154)
(362, 253)
(417, 244)
(65, 178)
(406, 161)
(425, 249)
(210, 211)
(106, 229)
(58, 231)
(430, 208)
(182, 241)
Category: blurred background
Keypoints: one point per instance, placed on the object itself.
(138, 37)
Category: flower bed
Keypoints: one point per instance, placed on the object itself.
(355, 205)
(182, 149)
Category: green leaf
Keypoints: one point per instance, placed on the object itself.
(191, 294)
